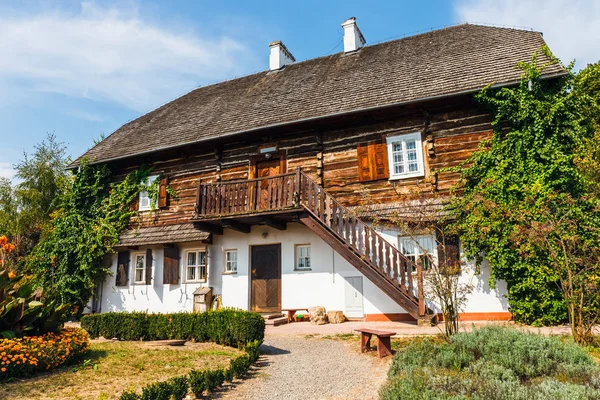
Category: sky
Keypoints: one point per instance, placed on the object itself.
(81, 69)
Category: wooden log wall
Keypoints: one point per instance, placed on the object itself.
(453, 130)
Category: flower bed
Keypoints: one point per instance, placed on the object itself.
(226, 327)
(27, 355)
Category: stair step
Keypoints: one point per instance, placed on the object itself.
(276, 321)
(272, 316)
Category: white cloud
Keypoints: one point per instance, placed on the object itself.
(111, 54)
(570, 27)
(6, 170)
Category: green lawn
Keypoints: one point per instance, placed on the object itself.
(111, 366)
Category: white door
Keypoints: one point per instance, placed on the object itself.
(354, 297)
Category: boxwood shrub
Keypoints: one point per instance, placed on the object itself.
(199, 381)
(227, 327)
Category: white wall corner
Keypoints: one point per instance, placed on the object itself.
(279, 56)
(353, 38)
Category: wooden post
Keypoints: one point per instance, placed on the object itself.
(298, 194)
(420, 288)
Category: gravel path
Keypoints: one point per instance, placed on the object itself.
(299, 367)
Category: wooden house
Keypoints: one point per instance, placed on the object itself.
(279, 174)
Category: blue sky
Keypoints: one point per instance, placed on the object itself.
(82, 69)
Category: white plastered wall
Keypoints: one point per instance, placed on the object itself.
(324, 285)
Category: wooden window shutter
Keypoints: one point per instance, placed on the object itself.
(162, 192)
(135, 204)
(171, 265)
(122, 268)
(448, 252)
(148, 266)
(372, 162)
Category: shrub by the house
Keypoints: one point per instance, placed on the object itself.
(28, 355)
(226, 327)
(493, 363)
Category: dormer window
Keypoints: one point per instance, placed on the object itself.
(405, 156)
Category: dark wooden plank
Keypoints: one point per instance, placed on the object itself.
(236, 225)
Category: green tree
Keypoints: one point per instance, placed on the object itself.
(26, 207)
(511, 186)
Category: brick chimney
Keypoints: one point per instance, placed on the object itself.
(353, 38)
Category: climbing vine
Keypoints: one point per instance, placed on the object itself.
(526, 204)
(70, 259)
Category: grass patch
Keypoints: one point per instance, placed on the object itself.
(115, 366)
(493, 363)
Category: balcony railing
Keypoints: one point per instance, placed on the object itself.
(271, 193)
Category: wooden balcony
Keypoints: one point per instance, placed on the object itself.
(278, 199)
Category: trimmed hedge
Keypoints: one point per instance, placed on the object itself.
(31, 354)
(227, 327)
(199, 381)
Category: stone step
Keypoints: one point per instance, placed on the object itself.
(272, 316)
(276, 321)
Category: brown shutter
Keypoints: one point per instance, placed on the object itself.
(148, 266)
(171, 265)
(364, 169)
(448, 253)
(135, 204)
(122, 268)
(372, 161)
(162, 192)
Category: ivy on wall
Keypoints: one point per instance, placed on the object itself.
(512, 184)
(70, 259)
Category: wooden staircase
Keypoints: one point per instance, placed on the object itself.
(298, 195)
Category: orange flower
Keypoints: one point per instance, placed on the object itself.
(11, 274)
(3, 369)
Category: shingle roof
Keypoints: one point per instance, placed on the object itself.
(181, 233)
(448, 61)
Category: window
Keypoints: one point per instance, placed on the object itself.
(303, 257)
(231, 261)
(196, 265)
(144, 197)
(421, 247)
(140, 268)
(405, 155)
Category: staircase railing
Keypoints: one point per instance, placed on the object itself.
(361, 238)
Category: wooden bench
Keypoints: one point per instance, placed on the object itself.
(291, 312)
(384, 347)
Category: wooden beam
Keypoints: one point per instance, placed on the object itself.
(210, 228)
(236, 225)
(273, 223)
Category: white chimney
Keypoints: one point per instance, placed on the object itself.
(353, 39)
(280, 56)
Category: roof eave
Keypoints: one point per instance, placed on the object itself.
(76, 163)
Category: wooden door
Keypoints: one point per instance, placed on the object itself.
(265, 169)
(266, 278)
(354, 297)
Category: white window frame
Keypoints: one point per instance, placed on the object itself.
(197, 266)
(419, 251)
(297, 266)
(144, 196)
(228, 264)
(135, 268)
(408, 137)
